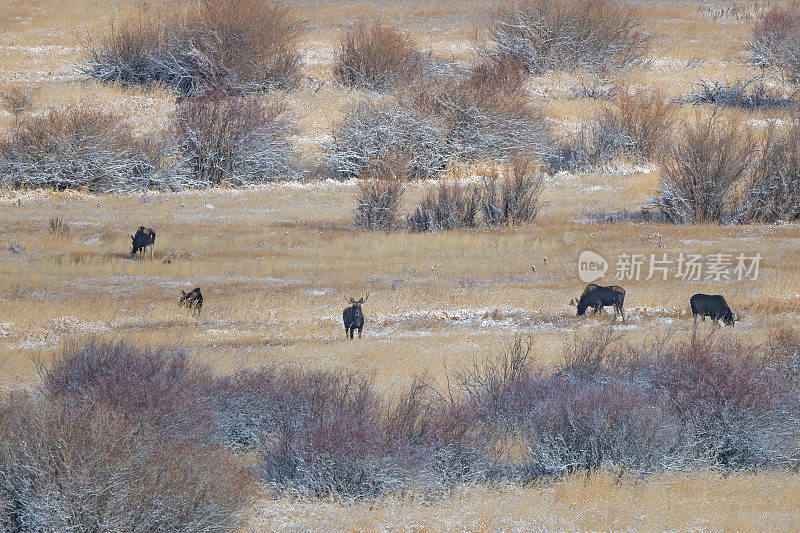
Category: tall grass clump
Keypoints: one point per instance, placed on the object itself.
(513, 198)
(247, 45)
(79, 147)
(233, 139)
(775, 42)
(377, 203)
(375, 57)
(600, 36)
(447, 205)
(701, 170)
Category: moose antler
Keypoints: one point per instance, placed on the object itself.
(364, 299)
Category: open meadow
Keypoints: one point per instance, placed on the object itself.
(277, 261)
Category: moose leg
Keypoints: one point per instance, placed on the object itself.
(622, 312)
(350, 333)
(359, 332)
(151, 252)
(346, 332)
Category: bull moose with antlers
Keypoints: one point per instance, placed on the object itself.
(354, 317)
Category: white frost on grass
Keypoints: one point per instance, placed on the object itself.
(73, 324)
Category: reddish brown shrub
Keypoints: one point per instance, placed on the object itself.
(498, 72)
(378, 58)
(249, 44)
(776, 41)
(160, 389)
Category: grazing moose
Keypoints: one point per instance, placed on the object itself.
(192, 300)
(597, 296)
(353, 317)
(144, 237)
(713, 306)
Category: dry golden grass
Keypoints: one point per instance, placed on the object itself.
(704, 501)
(276, 263)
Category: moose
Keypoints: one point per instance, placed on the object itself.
(354, 317)
(597, 296)
(144, 237)
(713, 306)
(192, 300)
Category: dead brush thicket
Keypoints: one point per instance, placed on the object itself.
(246, 45)
(79, 148)
(600, 36)
(771, 191)
(376, 57)
(775, 43)
(513, 198)
(108, 434)
(118, 435)
(745, 93)
(438, 124)
(701, 169)
(232, 139)
(710, 174)
(634, 125)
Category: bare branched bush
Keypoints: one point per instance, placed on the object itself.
(328, 434)
(442, 122)
(568, 35)
(750, 93)
(371, 132)
(79, 148)
(234, 140)
(160, 389)
(666, 404)
(634, 126)
(378, 58)
(731, 402)
(69, 468)
(771, 191)
(449, 204)
(643, 118)
(585, 425)
(775, 42)
(484, 120)
(701, 169)
(513, 198)
(377, 203)
(592, 147)
(247, 45)
(498, 72)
